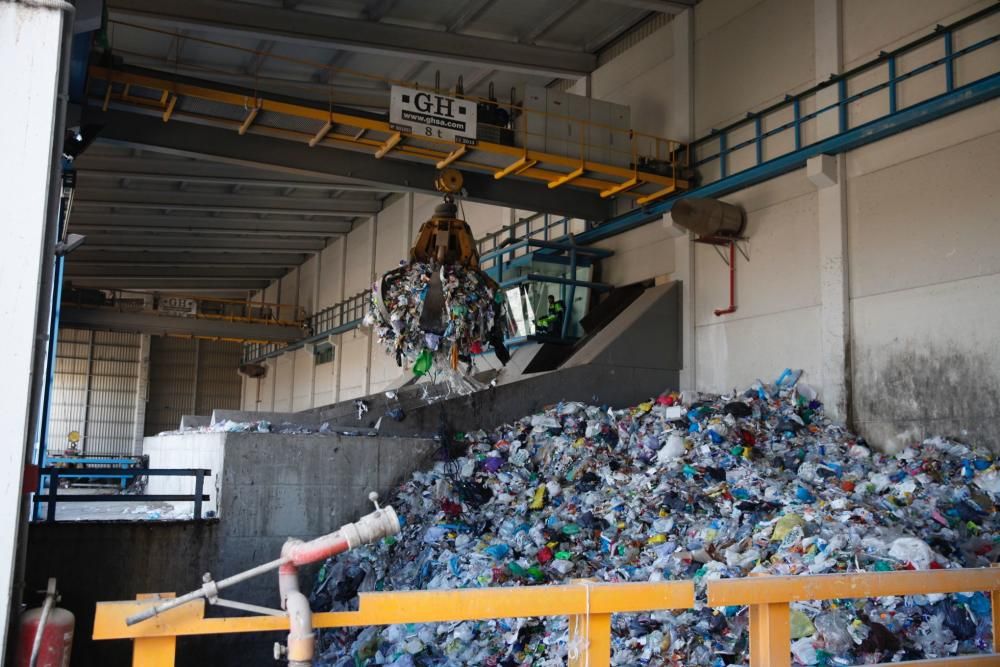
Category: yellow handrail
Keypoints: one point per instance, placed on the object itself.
(588, 604)
(768, 598)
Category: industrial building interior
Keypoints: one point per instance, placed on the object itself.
(506, 332)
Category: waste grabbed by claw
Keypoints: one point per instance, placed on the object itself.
(439, 306)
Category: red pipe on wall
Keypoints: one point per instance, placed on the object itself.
(732, 282)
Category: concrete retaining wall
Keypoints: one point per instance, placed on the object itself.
(272, 487)
(188, 450)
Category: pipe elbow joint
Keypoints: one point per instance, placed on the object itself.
(301, 639)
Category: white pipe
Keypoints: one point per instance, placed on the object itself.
(301, 639)
(380, 523)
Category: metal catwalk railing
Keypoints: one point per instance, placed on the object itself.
(782, 137)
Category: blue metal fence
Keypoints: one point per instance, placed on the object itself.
(713, 153)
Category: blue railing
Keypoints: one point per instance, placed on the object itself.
(52, 498)
(338, 318)
(714, 153)
(840, 85)
(540, 226)
(123, 463)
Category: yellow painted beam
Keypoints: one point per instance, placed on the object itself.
(770, 635)
(621, 187)
(589, 640)
(388, 145)
(362, 123)
(563, 180)
(248, 121)
(107, 97)
(348, 140)
(411, 607)
(588, 605)
(452, 156)
(323, 131)
(995, 607)
(169, 111)
(511, 602)
(761, 590)
(154, 652)
(515, 167)
(352, 141)
(656, 195)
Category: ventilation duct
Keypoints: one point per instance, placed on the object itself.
(709, 218)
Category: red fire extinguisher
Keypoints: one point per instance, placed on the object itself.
(45, 635)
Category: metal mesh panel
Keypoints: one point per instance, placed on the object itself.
(171, 383)
(190, 377)
(68, 407)
(219, 384)
(95, 391)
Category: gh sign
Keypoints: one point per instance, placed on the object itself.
(178, 306)
(427, 114)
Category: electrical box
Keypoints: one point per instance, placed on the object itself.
(557, 127)
(619, 141)
(599, 131)
(575, 126)
(530, 128)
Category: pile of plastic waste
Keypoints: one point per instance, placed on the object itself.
(681, 487)
(471, 306)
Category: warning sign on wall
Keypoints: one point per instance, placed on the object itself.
(423, 113)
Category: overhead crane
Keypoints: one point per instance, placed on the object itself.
(256, 112)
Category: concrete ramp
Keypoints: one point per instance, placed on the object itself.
(647, 334)
(554, 355)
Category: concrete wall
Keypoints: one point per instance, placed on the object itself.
(924, 218)
(272, 487)
(115, 561)
(777, 291)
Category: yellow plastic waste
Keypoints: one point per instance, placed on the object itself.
(800, 624)
(538, 502)
(785, 525)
